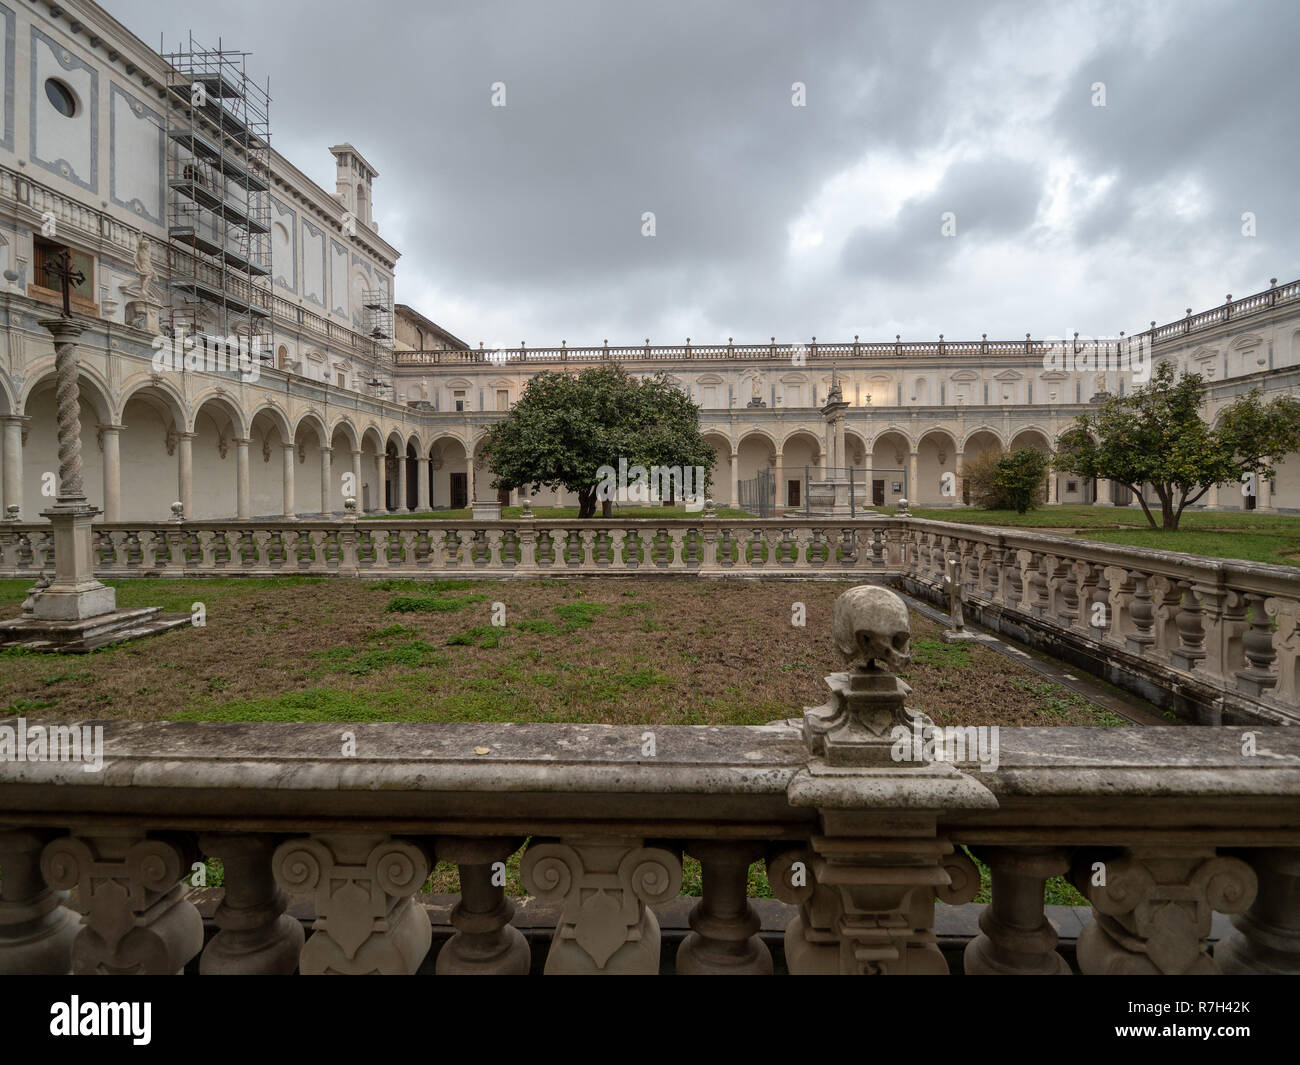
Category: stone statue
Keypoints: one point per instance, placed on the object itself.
(956, 617)
(144, 262)
(871, 622)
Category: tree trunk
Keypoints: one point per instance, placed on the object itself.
(1168, 519)
(606, 508)
(587, 503)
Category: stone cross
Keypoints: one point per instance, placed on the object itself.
(60, 268)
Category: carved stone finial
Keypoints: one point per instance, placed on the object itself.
(12, 511)
(902, 509)
(178, 512)
(710, 508)
(350, 504)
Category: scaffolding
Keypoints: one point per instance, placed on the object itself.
(379, 313)
(218, 197)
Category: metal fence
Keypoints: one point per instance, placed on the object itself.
(758, 494)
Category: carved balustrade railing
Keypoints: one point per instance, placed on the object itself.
(1159, 828)
(762, 547)
(1226, 633)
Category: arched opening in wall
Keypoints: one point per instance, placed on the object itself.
(719, 478)
(413, 452)
(981, 449)
(267, 436)
(346, 469)
(392, 450)
(450, 473)
(371, 491)
(755, 453)
(37, 443)
(800, 461)
(215, 459)
(891, 477)
(936, 469)
(282, 358)
(151, 451)
(309, 466)
(1035, 439)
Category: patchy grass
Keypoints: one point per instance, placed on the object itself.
(620, 652)
(513, 513)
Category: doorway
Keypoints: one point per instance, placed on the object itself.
(792, 492)
(459, 491)
(877, 493)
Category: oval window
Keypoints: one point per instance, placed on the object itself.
(65, 103)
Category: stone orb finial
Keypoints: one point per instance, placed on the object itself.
(871, 623)
(178, 511)
(350, 504)
(902, 507)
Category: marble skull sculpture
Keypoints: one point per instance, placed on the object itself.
(871, 622)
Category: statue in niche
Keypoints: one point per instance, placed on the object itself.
(144, 262)
(756, 400)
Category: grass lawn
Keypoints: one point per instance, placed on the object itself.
(1245, 535)
(618, 652)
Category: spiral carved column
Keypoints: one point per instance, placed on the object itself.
(67, 397)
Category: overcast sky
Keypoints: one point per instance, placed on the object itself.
(524, 222)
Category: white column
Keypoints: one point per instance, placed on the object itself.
(421, 483)
(401, 507)
(913, 479)
(735, 478)
(13, 461)
(1264, 494)
(1212, 498)
(782, 499)
(356, 476)
(1104, 497)
(290, 456)
(381, 489)
(959, 472)
(185, 450)
(1052, 494)
(112, 473)
(243, 493)
(325, 475)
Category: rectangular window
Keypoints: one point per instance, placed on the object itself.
(503, 399)
(342, 381)
(82, 292)
(459, 397)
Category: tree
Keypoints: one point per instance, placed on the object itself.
(1019, 477)
(979, 473)
(565, 427)
(1156, 435)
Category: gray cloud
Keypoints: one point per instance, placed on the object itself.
(525, 221)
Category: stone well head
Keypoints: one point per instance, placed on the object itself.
(871, 625)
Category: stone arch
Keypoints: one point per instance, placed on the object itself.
(271, 413)
(161, 392)
(309, 419)
(720, 488)
(857, 446)
(1027, 432)
(229, 406)
(344, 427)
(151, 446)
(8, 398)
(979, 430)
(268, 433)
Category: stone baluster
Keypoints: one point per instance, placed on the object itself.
(1167, 600)
(1286, 644)
(605, 884)
(585, 558)
(494, 559)
(709, 536)
(677, 549)
(367, 920)
(1139, 639)
(1037, 590)
(256, 935)
(262, 541)
(485, 943)
(754, 550)
(135, 916)
(1014, 580)
(724, 926)
(1190, 651)
(1258, 677)
(36, 930)
(1086, 576)
(1223, 621)
(812, 946)
(1064, 595)
(1015, 936)
(1267, 936)
(1152, 908)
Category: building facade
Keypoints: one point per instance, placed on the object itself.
(294, 380)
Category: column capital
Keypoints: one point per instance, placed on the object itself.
(109, 427)
(326, 450)
(242, 441)
(66, 329)
(15, 419)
